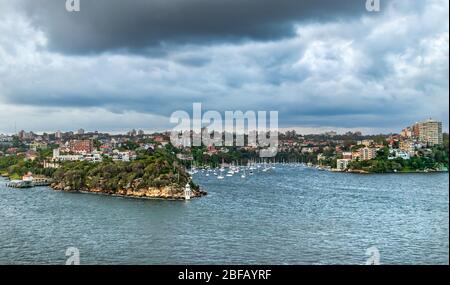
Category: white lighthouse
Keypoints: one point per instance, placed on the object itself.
(187, 192)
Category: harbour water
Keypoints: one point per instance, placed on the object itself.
(288, 215)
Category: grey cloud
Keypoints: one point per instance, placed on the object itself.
(137, 25)
(359, 73)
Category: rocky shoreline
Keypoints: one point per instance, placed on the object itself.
(157, 193)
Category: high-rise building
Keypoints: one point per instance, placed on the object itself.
(429, 131)
(407, 132)
(415, 130)
(21, 134)
(80, 131)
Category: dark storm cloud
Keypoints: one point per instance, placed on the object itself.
(133, 25)
(339, 69)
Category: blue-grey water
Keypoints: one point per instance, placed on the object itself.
(289, 215)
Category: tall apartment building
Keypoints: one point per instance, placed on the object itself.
(407, 132)
(367, 153)
(429, 131)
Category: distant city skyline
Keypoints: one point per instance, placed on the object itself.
(304, 131)
(323, 65)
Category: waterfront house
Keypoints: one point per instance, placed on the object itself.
(342, 164)
(396, 153)
(28, 177)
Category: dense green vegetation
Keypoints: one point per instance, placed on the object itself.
(155, 169)
(162, 167)
(16, 166)
(243, 156)
(436, 159)
(149, 170)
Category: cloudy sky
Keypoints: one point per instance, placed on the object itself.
(122, 64)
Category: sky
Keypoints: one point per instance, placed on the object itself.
(323, 65)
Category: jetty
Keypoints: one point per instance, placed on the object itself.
(28, 181)
(28, 184)
(19, 184)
